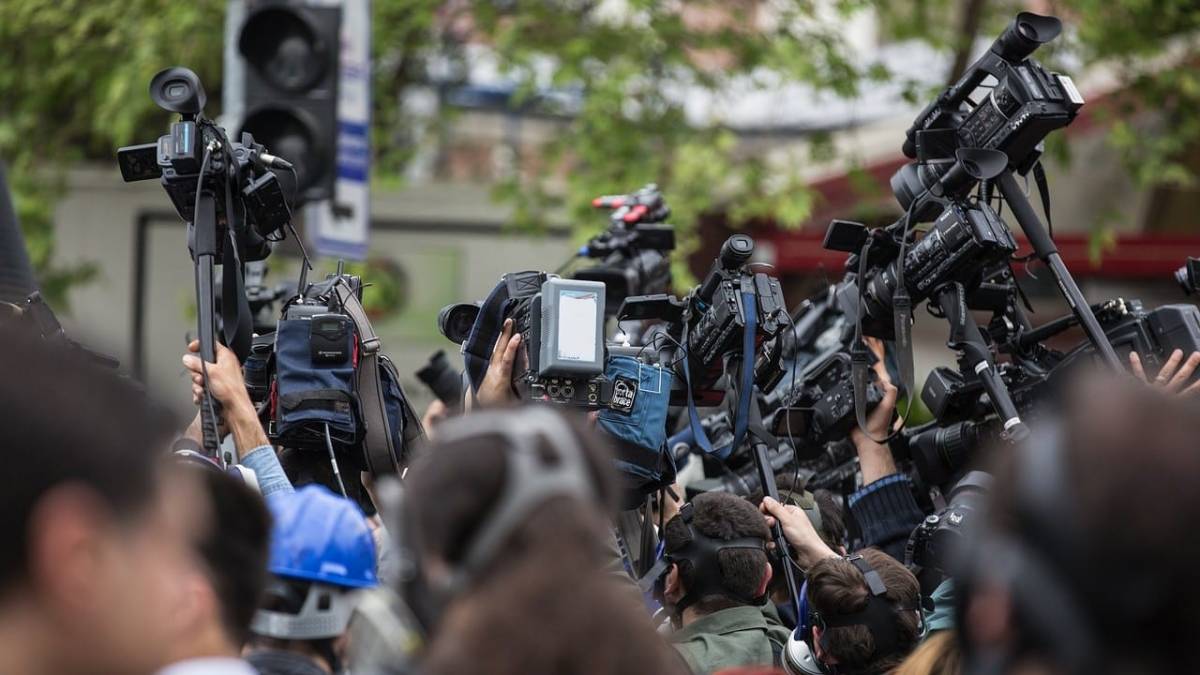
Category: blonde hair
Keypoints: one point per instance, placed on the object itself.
(937, 655)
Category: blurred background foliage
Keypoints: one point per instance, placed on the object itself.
(73, 77)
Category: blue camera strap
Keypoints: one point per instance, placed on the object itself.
(746, 393)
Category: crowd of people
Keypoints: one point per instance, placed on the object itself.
(129, 551)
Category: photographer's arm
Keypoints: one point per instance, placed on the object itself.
(799, 532)
(884, 507)
(237, 411)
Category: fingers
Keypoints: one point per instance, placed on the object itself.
(1191, 389)
(192, 363)
(770, 508)
(1168, 369)
(194, 346)
(1135, 364)
(880, 366)
(1181, 377)
(510, 355)
(502, 341)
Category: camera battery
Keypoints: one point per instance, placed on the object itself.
(329, 338)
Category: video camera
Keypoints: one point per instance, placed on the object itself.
(730, 315)
(561, 322)
(1025, 104)
(633, 250)
(197, 162)
(232, 203)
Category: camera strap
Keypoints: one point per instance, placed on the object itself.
(235, 306)
(746, 392)
(1043, 186)
(379, 451)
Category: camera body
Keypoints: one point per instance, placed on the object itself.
(562, 339)
(633, 250)
(1025, 103)
(934, 545)
(819, 407)
(966, 239)
(245, 193)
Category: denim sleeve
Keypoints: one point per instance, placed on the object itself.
(271, 478)
(887, 513)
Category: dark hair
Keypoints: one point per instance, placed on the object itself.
(308, 467)
(837, 587)
(833, 519)
(550, 577)
(1120, 551)
(69, 421)
(235, 548)
(721, 515)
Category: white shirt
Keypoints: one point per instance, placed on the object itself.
(217, 665)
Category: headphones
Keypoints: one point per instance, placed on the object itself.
(185, 453)
(879, 617)
(702, 553)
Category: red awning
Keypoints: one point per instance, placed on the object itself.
(1133, 257)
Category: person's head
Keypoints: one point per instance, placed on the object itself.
(507, 515)
(833, 520)
(322, 554)
(230, 565)
(742, 571)
(1085, 564)
(94, 546)
(863, 624)
(822, 509)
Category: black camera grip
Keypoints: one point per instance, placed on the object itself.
(210, 420)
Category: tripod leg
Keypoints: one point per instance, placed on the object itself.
(966, 337)
(1045, 249)
(204, 231)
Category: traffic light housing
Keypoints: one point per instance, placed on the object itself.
(290, 53)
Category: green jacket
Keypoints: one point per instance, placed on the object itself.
(738, 636)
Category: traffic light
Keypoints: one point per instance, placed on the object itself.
(290, 55)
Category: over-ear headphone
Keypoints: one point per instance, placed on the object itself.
(531, 479)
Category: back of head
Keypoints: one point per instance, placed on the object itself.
(322, 553)
(69, 422)
(544, 602)
(722, 516)
(837, 588)
(457, 483)
(1084, 535)
(233, 549)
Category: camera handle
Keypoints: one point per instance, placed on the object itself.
(1047, 252)
(966, 338)
(766, 477)
(204, 226)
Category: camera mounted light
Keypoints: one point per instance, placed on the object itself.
(1025, 34)
(178, 90)
(286, 49)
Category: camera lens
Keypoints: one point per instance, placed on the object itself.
(455, 321)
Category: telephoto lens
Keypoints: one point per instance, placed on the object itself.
(443, 380)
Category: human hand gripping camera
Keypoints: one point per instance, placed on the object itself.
(226, 384)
